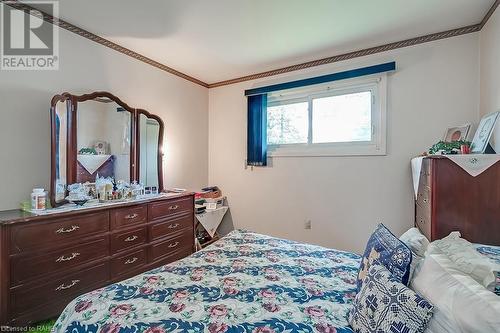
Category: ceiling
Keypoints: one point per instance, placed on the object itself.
(216, 40)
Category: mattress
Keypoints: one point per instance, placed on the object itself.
(245, 282)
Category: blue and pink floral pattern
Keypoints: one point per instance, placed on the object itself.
(490, 251)
(245, 282)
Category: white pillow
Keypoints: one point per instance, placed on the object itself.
(417, 242)
(461, 304)
(466, 258)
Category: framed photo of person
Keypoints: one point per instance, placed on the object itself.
(483, 133)
(458, 133)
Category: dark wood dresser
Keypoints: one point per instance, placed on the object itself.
(48, 260)
(449, 199)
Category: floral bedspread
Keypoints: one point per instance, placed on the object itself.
(492, 252)
(245, 282)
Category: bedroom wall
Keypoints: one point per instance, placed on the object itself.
(85, 67)
(490, 71)
(435, 86)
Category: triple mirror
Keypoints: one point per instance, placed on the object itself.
(99, 135)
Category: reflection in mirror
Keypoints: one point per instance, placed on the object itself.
(61, 130)
(103, 141)
(149, 131)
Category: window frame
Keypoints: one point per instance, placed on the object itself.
(377, 85)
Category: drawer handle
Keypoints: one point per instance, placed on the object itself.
(67, 231)
(131, 216)
(131, 261)
(174, 207)
(131, 238)
(173, 244)
(173, 226)
(64, 287)
(63, 258)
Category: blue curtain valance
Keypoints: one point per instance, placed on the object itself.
(381, 68)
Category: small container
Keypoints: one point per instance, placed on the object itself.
(38, 199)
(465, 149)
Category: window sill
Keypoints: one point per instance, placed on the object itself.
(326, 150)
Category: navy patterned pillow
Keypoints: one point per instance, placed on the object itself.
(388, 250)
(386, 305)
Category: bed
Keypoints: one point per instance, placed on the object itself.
(245, 282)
(490, 251)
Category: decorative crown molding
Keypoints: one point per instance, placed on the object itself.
(341, 57)
(98, 39)
(489, 13)
(355, 54)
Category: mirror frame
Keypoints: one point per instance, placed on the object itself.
(71, 148)
(160, 145)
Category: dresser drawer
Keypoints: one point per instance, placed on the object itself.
(28, 267)
(128, 216)
(158, 210)
(126, 239)
(424, 196)
(423, 220)
(163, 249)
(129, 262)
(56, 232)
(183, 253)
(166, 228)
(29, 297)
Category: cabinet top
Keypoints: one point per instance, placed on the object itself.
(19, 216)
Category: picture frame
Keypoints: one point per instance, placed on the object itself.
(483, 133)
(457, 133)
(101, 147)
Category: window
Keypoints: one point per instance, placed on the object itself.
(287, 123)
(328, 120)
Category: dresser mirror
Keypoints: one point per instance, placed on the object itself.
(103, 139)
(99, 135)
(60, 124)
(150, 132)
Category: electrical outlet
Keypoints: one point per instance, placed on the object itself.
(308, 225)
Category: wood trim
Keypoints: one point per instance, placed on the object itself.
(355, 54)
(94, 96)
(351, 55)
(5, 275)
(100, 40)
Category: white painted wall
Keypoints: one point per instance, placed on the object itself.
(490, 71)
(436, 86)
(86, 67)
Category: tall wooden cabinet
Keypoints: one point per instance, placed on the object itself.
(449, 199)
(47, 260)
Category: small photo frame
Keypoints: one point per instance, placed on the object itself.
(458, 133)
(101, 147)
(483, 133)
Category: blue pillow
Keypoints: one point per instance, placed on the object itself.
(386, 305)
(390, 252)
